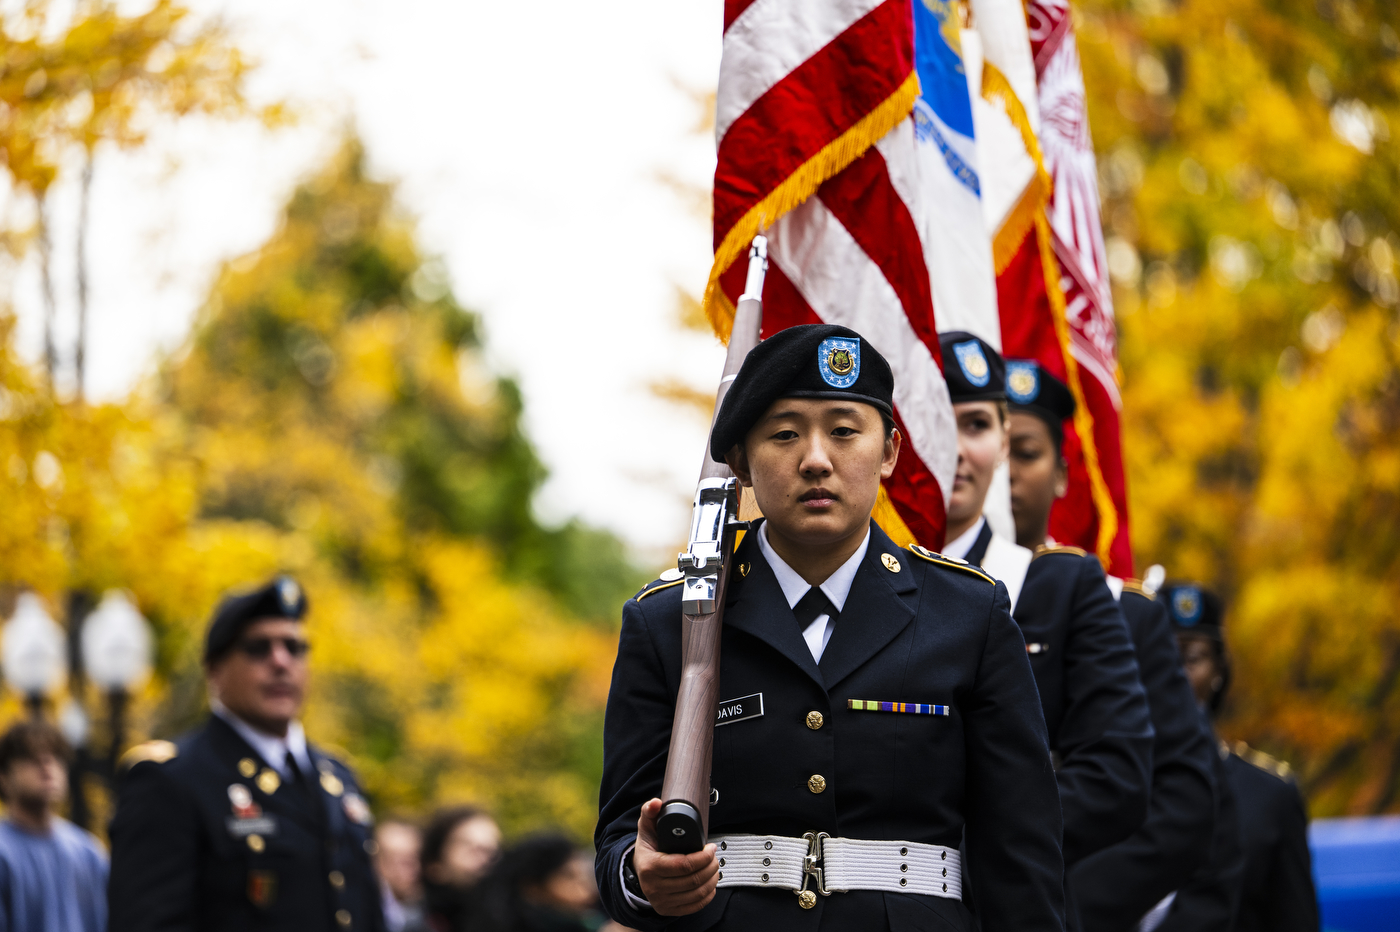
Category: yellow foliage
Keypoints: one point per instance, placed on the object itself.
(1247, 168)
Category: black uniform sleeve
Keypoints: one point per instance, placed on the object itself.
(154, 837)
(1105, 735)
(1013, 813)
(1113, 888)
(1291, 897)
(1210, 901)
(636, 738)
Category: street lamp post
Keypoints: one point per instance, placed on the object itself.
(32, 655)
(116, 644)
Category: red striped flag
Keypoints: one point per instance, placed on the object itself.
(816, 145)
(1100, 519)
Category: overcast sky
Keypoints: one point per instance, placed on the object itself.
(528, 139)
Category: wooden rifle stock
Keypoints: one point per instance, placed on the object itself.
(685, 792)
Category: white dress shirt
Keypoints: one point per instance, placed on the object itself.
(836, 587)
(958, 549)
(272, 748)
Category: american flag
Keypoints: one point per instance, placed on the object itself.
(816, 144)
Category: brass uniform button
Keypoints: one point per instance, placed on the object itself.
(338, 880)
(815, 720)
(247, 767)
(342, 916)
(890, 562)
(816, 783)
(806, 899)
(256, 844)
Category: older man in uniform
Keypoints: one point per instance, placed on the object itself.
(1112, 889)
(242, 824)
(876, 701)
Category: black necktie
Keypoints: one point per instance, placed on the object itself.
(811, 605)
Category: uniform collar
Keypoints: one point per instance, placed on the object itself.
(958, 548)
(270, 748)
(837, 586)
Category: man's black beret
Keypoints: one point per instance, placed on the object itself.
(1033, 390)
(1193, 608)
(973, 370)
(808, 361)
(281, 597)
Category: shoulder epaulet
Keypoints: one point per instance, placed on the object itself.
(671, 577)
(1044, 549)
(1266, 762)
(158, 751)
(952, 563)
(1135, 585)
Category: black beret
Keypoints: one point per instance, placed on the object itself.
(808, 361)
(1193, 608)
(1033, 390)
(973, 370)
(282, 597)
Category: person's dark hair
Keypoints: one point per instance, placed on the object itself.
(531, 861)
(440, 827)
(30, 740)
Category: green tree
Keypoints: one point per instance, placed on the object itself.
(1249, 181)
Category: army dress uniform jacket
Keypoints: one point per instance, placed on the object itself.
(914, 628)
(207, 838)
(1112, 889)
(1096, 711)
(1277, 893)
(1210, 900)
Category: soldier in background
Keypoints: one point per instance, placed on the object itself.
(1210, 901)
(243, 824)
(1086, 673)
(1275, 891)
(1112, 889)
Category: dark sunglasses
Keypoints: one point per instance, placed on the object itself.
(261, 648)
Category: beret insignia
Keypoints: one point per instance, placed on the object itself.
(972, 362)
(838, 361)
(1022, 381)
(1186, 605)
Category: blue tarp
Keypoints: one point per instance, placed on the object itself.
(1356, 865)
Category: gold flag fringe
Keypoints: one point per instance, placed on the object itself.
(1083, 420)
(890, 522)
(797, 187)
(1019, 221)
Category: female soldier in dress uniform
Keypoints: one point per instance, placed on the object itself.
(877, 701)
(1095, 709)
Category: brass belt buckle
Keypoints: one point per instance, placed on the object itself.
(810, 868)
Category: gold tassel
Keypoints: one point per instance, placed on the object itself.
(889, 520)
(796, 188)
(1018, 222)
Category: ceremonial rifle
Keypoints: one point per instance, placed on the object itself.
(685, 792)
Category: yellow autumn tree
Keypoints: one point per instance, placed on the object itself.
(1249, 178)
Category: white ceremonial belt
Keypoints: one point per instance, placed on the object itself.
(837, 865)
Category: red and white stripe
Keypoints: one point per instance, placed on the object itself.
(796, 74)
(1079, 248)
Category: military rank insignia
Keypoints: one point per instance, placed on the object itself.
(262, 888)
(356, 809)
(329, 781)
(838, 361)
(908, 708)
